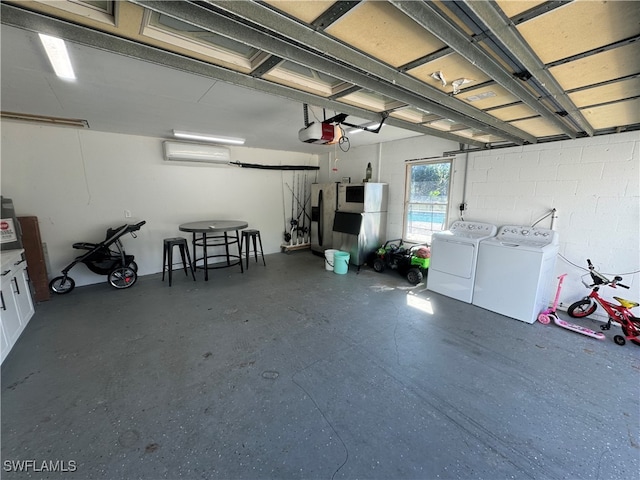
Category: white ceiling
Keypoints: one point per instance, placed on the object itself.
(118, 94)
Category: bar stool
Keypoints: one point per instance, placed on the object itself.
(167, 256)
(247, 235)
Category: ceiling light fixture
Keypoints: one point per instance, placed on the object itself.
(208, 138)
(58, 56)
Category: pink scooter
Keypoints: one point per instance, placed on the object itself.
(550, 314)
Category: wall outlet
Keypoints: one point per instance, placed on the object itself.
(127, 214)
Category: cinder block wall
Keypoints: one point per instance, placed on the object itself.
(594, 183)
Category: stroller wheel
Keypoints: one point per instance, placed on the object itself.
(62, 285)
(134, 266)
(122, 277)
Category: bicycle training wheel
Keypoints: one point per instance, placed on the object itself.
(62, 285)
(122, 277)
(581, 308)
(633, 330)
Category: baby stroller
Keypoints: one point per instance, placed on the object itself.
(105, 258)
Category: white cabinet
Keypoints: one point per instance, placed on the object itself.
(16, 304)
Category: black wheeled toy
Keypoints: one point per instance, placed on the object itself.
(104, 258)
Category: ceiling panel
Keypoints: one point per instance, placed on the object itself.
(512, 8)
(411, 115)
(249, 66)
(580, 26)
(305, 11)
(537, 126)
(368, 100)
(600, 67)
(613, 115)
(385, 33)
(607, 93)
(513, 112)
(488, 96)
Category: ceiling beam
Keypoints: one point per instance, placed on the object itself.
(269, 63)
(504, 31)
(538, 10)
(324, 54)
(333, 13)
(18, 17)
(429, 17)
(594, 51)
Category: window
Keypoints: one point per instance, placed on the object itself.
(426, 198)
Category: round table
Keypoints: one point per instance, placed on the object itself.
(215, 233)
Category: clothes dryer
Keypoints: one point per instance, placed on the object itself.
(454, 255)
(515, 272)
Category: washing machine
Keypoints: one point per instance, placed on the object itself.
(454, 254)
(515, 272)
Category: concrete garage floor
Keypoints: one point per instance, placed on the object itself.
(291, 371)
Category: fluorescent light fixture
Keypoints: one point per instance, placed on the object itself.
(58, 56)
(208, 138)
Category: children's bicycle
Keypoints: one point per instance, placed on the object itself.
(617, 313)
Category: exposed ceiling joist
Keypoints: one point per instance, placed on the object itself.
(334, 12)
(503, 31)
(481, 72)
(544, 7)
(36, 22)
(429, 16)
(330, 57)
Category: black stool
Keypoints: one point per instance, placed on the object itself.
(167, 256)
(246, 236)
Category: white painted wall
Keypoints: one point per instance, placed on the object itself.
(78, 183)
(594, 184)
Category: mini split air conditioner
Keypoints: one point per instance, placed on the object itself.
(194, 152)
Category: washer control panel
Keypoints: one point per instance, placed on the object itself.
(528, 235)
(472, 229)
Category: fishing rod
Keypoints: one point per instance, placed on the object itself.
(294, 222)
(300, 204)
(287, 235)
(304, 209)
